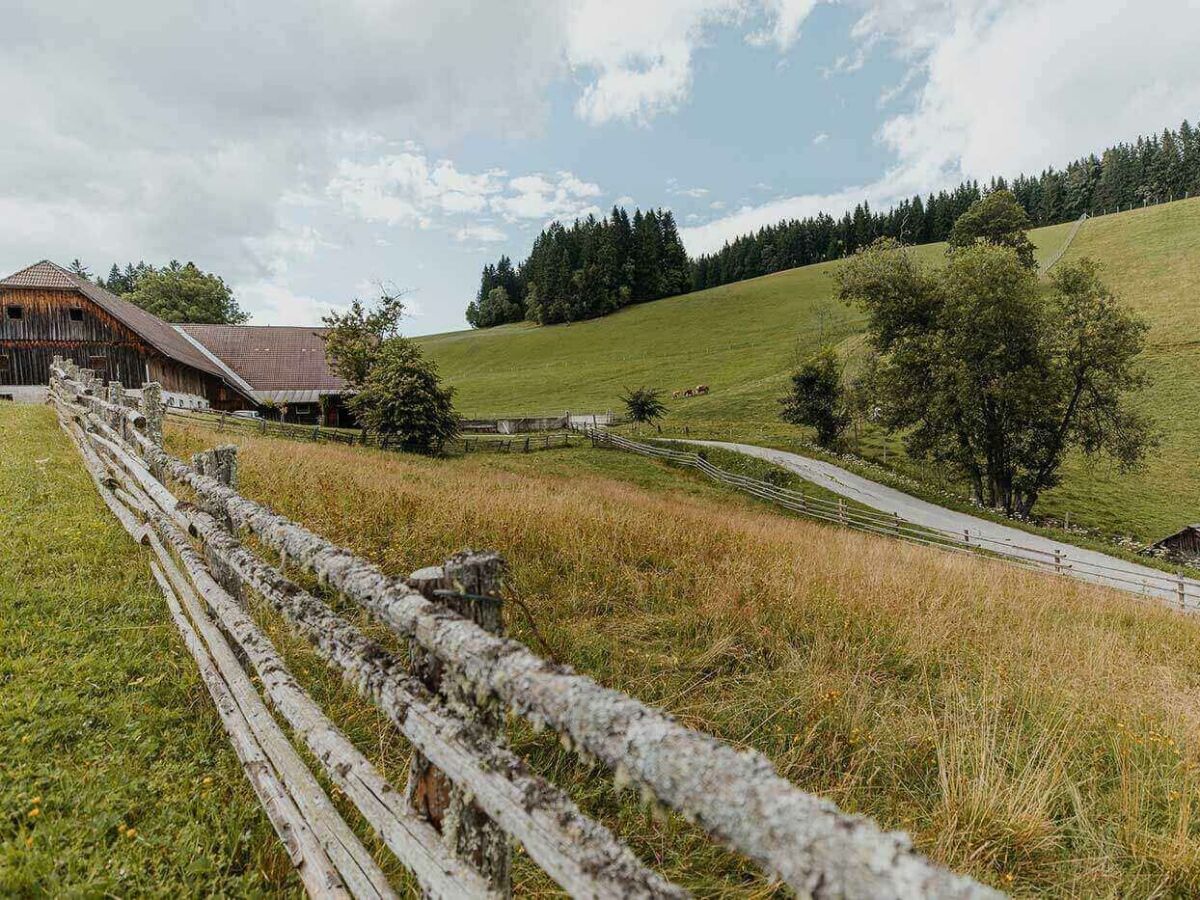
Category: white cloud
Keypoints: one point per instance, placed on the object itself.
(820, 138)
(274, 303)
(717, 204)
(541, 198)
(635, 58)
(406, 189)
(786, 18)
(485, 233)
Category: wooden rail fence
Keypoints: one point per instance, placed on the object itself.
(469, 797)
(1180, 592)
(318, 434)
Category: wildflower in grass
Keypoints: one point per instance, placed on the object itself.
(130, 832)
(36, 801)
(207, 780)
(34, 813)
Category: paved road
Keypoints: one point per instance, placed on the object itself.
(1087, 565)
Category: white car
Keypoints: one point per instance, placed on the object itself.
(246, 414)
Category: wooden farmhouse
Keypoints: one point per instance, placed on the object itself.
(47, 311)
(283, 367)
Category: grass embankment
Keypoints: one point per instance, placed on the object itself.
(742, 340)
(1038, 733)
(116, 778)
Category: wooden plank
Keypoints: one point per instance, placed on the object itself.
(415, 844)
(358, 871)
(579, 854)
(316, 871)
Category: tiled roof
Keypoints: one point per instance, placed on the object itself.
(271, 357)
(46, 275)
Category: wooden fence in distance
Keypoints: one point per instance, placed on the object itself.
(465, 443)
(469, 797)
(1180, 592)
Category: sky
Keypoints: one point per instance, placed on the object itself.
(310, 151)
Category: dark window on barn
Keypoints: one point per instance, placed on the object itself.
(99, 365)
(3, 363)
(76, 314)
(15, 312)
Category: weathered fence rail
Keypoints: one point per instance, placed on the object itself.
(465, 443)
(469, 797)
(1181, 592)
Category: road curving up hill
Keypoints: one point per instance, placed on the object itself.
(1081, 563)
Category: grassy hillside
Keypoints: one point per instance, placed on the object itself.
(1035, 732)
(740, 339)
(116, 779)
(743, 338)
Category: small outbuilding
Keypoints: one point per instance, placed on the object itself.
(1182, 547)
(283, 367)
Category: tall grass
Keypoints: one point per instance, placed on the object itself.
(1036, 732)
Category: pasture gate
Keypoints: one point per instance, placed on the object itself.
(469, 796)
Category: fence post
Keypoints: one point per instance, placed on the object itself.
(897, 515)
(841, 510)
(966, 535)
(1179, 591)
(116, 396)
(153, 410)
(1057, 561)
(469, 583)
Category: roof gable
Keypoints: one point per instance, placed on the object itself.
(44, 275)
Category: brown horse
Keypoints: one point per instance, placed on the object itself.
(675, 395)
(701, 389)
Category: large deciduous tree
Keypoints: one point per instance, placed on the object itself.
(996, 219)
(181, 292)
(987, 370)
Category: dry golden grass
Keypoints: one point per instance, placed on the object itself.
(1035, 732)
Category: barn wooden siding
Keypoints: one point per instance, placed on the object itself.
(91, 339)
(46, 328)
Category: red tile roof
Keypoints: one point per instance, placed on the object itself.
(271, 357)
(46, 275)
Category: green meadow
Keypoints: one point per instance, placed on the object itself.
(743, 339)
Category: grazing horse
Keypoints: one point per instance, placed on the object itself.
(689, 393)
(675, 395)
(701, 389)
